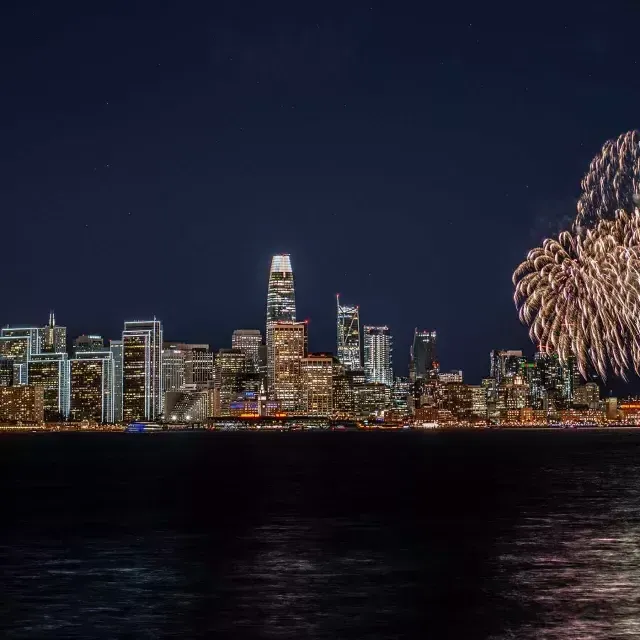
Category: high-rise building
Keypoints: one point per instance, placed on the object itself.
(478, 401)
(249, 341)
(16, 349)
(587, 396)
(506, 364)
(317, 384)
(50, 371)
(377, 355)
(424, 359)
(281, 302)
(22, 404)
(91, 386)
(348, 326)
(53, 338)
(84, 343)
(200, 366)
(6, 372)
(230, 369)
(173, 368)
(289, 347)
(116, 353)
(371, 398)
(142, 370)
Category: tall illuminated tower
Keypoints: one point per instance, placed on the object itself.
(348, 326)
(142, 370)
(424, 360)
(290, 347)
(377, 355)
(281, 302)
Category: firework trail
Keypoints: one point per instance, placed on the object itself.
(580, 293)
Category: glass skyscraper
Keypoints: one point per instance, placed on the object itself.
(281, 302)
(377, 355)
(348, 334)
(142, 370)
(91, 386)
(424, 359)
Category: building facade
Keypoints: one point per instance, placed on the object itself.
(142, 370)
(88, 343)
(230, 370)
(317, 384)
(249, 341)
(423, 357)
(281, 303)
(348, 336)
(91, 384)
(115, 346)
(289, 347)
(50, 372)
(377, 355)
(24, 403)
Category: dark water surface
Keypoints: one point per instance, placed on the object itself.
(331, 535)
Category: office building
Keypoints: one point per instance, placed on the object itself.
(115, 346)
(230, 370)
(289, 347)
(16, 349)
(6, 372)
(50, 371)
(587, 396)
(22, 404)
(348, 338)
(173, 368)
(249, 341)
(317, 384)
(424, 360)
(91, 384)
(91, 344)
(377, 355)
(281, 302)
(53, 338)
(506, 363)
(188, 407)
(478, 401)
(371, 399)
(200, 366)
(142, 370)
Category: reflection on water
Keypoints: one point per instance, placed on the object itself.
(471, 536)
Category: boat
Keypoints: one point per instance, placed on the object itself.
(143, 427)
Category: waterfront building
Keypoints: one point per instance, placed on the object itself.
(401, 394)
(377, 355)
(88, 343)
(478, 401)
(424, 360)
(348, 335)
(317, 384)
(249, 341)
(91, 384)
(142, 370)
(289, 347)
(188, 406)
(23, 403)
(115, 346)
(281, 303)
(173, 368)
(200, 367)
(230, 370)
(50, 371)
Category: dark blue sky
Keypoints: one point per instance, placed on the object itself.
(154, 155)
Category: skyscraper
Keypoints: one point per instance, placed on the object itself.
(377, 355)
(230, 369)
(281, 302)
(142, 370)
(249, 342)
(317, 384)
(506, 364)
(91, 386)
(51, 372)
(424, 359)
(53, 338)
(348, 326)
(289, 346)
(116, 353)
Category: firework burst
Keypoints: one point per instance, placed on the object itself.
(580, 294)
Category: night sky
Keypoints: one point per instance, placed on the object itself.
(154, 155)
